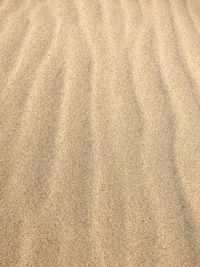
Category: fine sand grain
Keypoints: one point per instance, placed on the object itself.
(99, 133)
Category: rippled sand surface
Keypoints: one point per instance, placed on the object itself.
(99, 133)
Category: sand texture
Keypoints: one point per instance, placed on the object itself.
(99, 133)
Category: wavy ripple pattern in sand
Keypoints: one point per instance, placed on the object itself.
(99, 133)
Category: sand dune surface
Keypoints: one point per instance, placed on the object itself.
(100, 133)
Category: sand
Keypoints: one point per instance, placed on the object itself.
(99, 133)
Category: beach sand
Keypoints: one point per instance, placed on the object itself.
(99, 133)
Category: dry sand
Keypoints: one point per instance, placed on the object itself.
(99, 133)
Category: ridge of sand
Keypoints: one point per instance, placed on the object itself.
(99, 133)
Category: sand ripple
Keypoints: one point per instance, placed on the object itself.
(99, 133)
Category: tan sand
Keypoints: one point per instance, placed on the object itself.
(100, 133)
